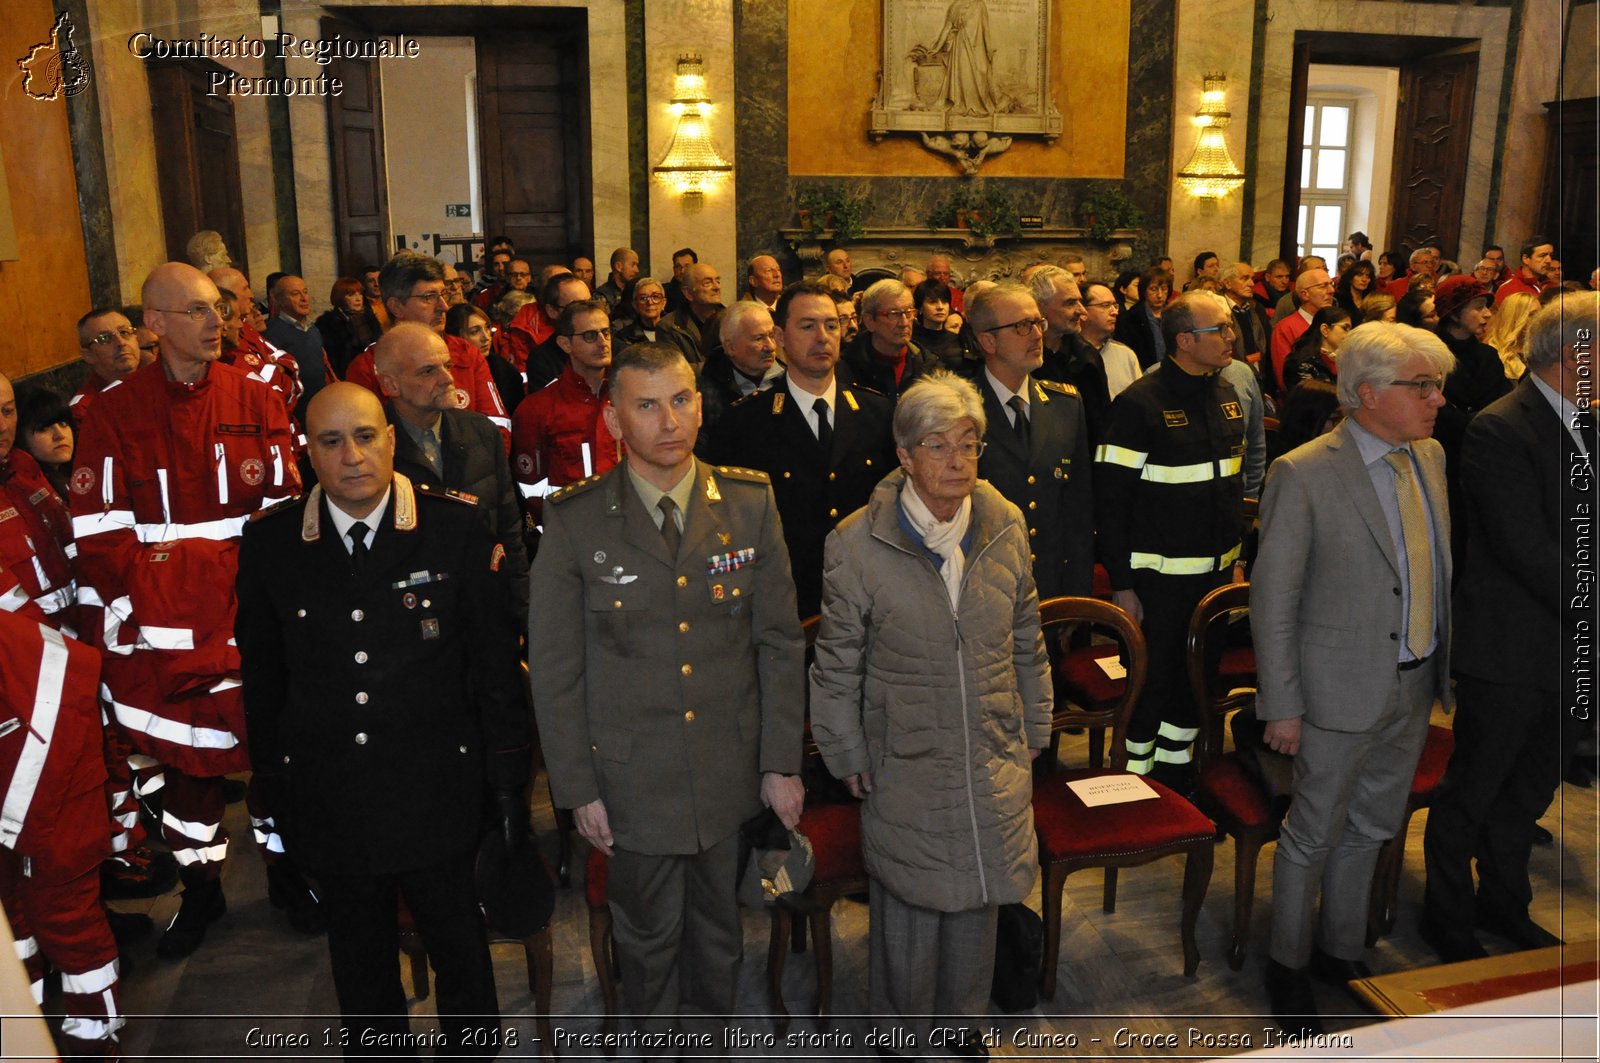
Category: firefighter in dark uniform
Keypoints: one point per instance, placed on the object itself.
(671, 685)
(1169, 509)
(1038, 440)
(378, 649)
(824, 460)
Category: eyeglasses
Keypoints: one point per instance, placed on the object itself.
(1098, 305)
(939, 450)
(106, 339)
(1319, 285)
(1023, 326)
(1425, 389)
(652, 297)
(197, 313)
(593, 335)
(898, 315)
(1228, 327)
(151, 348)
(429, 297)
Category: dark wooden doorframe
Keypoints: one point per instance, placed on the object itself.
(1299, 87)
(199, 164)
(355, 149)
(1433, 140)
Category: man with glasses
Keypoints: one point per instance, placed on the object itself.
(414, 290)
(1038, 453)
(547, 359)
(1314, 289)
(1350, 607)
(109, 345)
(558, 435)
(171, 463)
(1169, 508)
(1100, 312)
(824, 442)
(883, 357)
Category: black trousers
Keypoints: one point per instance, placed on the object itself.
(1164, 721)
(364, 944)
(1512, 744)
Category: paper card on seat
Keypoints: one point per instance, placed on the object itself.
(1112, 667)
(1111, 790)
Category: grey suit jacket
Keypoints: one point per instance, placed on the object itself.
(666, 686)
(1325, 605)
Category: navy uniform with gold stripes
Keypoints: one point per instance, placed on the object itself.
(815, 491)
(1048, 479)
(1169, 513)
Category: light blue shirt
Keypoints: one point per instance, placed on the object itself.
(1373, 451)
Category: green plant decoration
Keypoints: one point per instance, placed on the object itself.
(1104, 209)
(985, 210)
(830, 208)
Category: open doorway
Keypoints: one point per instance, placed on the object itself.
(1347, 156)
(430, 138)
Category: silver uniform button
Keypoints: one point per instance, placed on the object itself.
(361, 698)
(361, 656)
(361, 738)
(463, 749)
(286, 760)
(300, 612)
(358, 615)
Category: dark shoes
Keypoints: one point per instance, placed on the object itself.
(203, 904)
(1518, 929)
(287, 889)
(139, 872)
(1293, 1005)
(1453, 944)
(1330, 970)
(128, 927)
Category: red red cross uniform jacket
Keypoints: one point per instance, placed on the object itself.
(558, 437)
(167, 473)
(474, 385)
(278, 368)
(36, 545)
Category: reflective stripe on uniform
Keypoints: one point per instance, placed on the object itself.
(96, 981)
(179, 734)
(1114, 455)
(1199, 472)
(27, 947)
(1182, 566)
(200, 832)
(209, 854)
(1175, 756)
(58, 599)
(542, 489)
(1173, 733)
(167, 638)
(36, 742)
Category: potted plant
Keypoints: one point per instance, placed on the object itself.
(1104, 209)
(985, 210)
(826, 208)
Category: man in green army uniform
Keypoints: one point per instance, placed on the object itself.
(668, 669)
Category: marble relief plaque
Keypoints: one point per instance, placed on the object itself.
(966, 76)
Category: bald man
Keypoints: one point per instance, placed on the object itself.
(440, 447)
(379, 655)
(170, 464)
(764, 281)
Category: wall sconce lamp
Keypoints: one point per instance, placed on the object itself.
(692, 163)
(1210, 172)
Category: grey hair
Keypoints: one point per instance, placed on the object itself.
(882, 294)
(1556, 326)
(1373, 353)
(644, 280)
(936, 403)
(506, 307)
(1042, 282)
(981, 310)
(734, 317)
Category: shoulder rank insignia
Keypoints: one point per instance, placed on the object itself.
(276, 507)
(1231, 411)
(405, 504)
(734, 472)
(573, 489)
(1056, 385)
(850, 400)
(777, 401)
(459, 496)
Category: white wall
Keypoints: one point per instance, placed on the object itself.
(426, 124)
(1377, 93)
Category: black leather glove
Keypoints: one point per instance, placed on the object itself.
(514, 818)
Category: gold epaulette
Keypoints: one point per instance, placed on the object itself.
(450, 493)
(1056, 385)
(276, 507)
(734, 472)
(572, 490)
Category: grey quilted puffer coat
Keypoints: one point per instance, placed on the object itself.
(941, 705)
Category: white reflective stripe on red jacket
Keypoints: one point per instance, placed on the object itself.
(36, 744)
(179, 734)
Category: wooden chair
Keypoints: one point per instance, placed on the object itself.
(602, 947)
(536, 951)
(1073, 836)
(1226, 791)
(1436, 750)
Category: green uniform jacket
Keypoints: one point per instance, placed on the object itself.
(666, 686)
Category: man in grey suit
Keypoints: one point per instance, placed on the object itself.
(669, 684)
(1350, 608)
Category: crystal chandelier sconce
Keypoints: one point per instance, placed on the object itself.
(692, 163)
(1210, 172)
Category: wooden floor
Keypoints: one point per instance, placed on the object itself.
(1120, 975)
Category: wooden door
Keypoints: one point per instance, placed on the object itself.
(533, 120)
(198, 164)
(1571, 173)
(1433, 136)
(1289, 220)
(355, 142)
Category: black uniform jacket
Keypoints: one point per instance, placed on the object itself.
(1049, 482)
(767, 431)
(383, 703)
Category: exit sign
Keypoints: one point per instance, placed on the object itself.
(458, 210)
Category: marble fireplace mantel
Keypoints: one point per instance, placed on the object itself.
(999, 256)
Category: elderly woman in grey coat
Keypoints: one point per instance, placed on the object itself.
(929, 697)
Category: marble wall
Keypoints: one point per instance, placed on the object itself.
(1537, 81)
(767, 189)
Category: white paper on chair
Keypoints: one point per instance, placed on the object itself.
(1112, 667)
(1111, 790)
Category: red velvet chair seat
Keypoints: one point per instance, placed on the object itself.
(835, 834)
(1101, 587)
(1082, 680)
(1235, 794)
(1238, 662)
(594, 878)
(1436, 750)
(1069, 830)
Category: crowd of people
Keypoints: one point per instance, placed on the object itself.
(314, 548)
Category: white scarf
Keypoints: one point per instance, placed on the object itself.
(941, 537)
